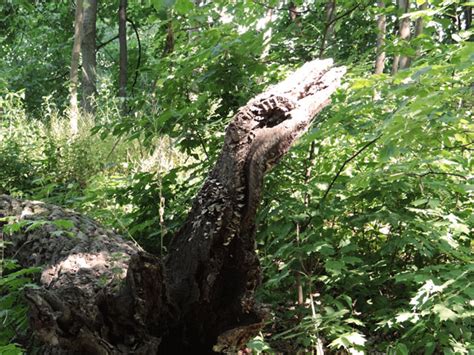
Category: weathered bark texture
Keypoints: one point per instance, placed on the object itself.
(200, 298)
(89, 58)
(328, 31)
(79, 263)
(74, 74)
(402, 61)
(420, 23)
(381, 24)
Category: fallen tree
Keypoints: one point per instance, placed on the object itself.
(102, 295)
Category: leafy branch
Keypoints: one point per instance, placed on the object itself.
(347, 161)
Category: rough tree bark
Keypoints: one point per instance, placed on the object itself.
(89, 59)
(328, 31)
(420, 23)
(402, 62)
(381, 24)
(74, 74)
(200, 298)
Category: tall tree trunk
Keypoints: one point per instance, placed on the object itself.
(395, 64)
(328, 31)
(267, 35)
(405, 32)
(89, 61)
(74, 74)
(419, 25)
(201, 297)
(468, 17)
(399, 61)
(169, 42)
(381, 24)
(122, 19)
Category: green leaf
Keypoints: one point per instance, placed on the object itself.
(456, 37)
(258, 344)
(387, 151)
(63, 223)
(430, 348)
(362, 83)
(183, 7)
(11, 349)
(402, 349)
(419, 202)
(403, 317)
(444, 313)
(334, 266)
(162, 4)
(356, 338)
(35, 225)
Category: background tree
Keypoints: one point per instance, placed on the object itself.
(123, 74)
(468, 17)
(381, 24)
(402, 61)
(377, 237)
(74, 74)
(88, 51)
(328, 32)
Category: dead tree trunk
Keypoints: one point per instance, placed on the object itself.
(200, 298)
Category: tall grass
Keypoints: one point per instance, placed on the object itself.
(40, 159)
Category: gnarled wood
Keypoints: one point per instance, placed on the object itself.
(213, 268)
(201, 296)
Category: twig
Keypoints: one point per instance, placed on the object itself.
(348, 12)
(100, 45)
(436, 173)
(308, 222)
(113, 148)
(329, 24)
(347, 161)
(139, 59)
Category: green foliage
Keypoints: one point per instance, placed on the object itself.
(13, 310)
(386, 250)
(375, 229)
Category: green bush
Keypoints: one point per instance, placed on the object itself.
(380, 239)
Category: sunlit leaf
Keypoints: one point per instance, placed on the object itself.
(444, 313)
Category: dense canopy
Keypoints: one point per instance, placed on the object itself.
(362, 241)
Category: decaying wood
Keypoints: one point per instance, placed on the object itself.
(198, 299)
